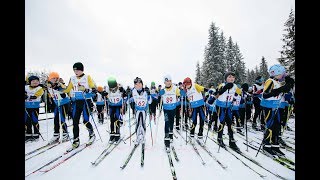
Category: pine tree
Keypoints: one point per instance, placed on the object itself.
(264, 68)
(198, 75)
(240, 69)
(230, 55)
(256, 72)
(223, 46)
(287, 57)
(251, 77)
(212, 68)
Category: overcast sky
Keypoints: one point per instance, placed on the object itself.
(146, 38)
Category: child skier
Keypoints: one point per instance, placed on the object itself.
(169, 97)
(80, 85)
(116, 95)
(33, 93)
(212, 113)
(225, 94)
(153, 105)
(185, 106)
(235, 111)
(100, 103)
(142, 98)
(61, 101)
(257, 93)
(271, 96)
(197, 105)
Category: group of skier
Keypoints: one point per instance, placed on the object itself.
(184, 105)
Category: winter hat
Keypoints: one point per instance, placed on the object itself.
(78, 66)
(228, 74)
(138, 80)
(245, 87)
(112, 82)
(187, 81)
(153, 83)
(31, 78)
(53, 75)
(259, 79)
(100, 88)
(167, 78)
(276, 69)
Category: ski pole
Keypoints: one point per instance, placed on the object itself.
(129, 117)
(150, 124)
(245, 118)
(46, 110)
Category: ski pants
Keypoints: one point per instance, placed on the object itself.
(225, 116)
(273, 126)
(31, 120)
(60, 113)
(115, 118)
(140, 126)
(80, 106)
(195, 111)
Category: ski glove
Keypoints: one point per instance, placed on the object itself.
(225, 87)
(289, 80)
(94, 90)
(228, 86)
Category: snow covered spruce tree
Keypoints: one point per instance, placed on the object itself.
(264, 68)
(198, 74)
(213, 66)
(230, 56)
(250, 77)
(240, 69)
(287, 58)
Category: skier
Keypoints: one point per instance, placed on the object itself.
(61, 101)
(197, 105)
(81, 86)
(185, 105)
(159, 106)
(249, 104)
(153, 105)
(242, 107)
(116, 94)
(235, 110)
(169, 96)
(285, 109)
(33, 93)
(257, 90)
(100, 103)
(271, 96)
(225, 94)
(141, 97)
(210, 104)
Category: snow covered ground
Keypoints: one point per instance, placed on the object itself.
(156, 165)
